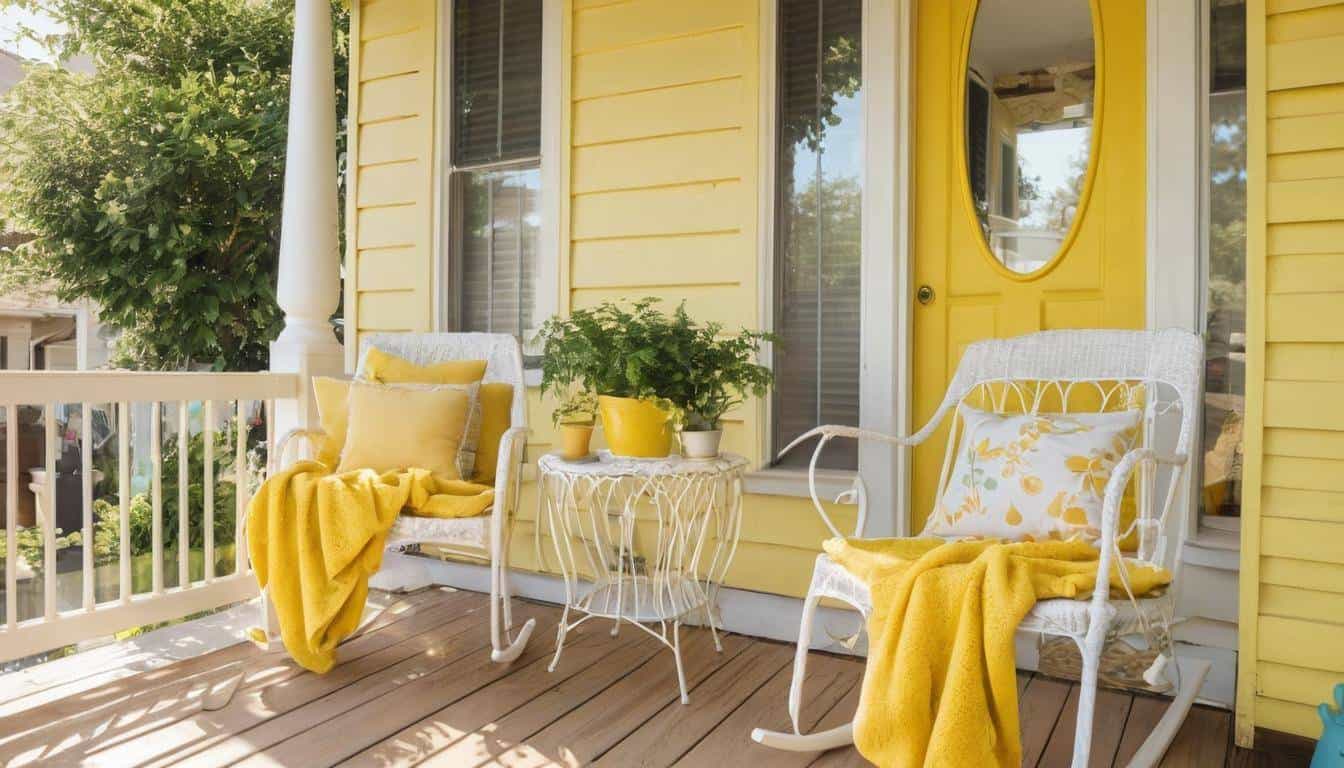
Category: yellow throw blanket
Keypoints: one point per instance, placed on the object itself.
(940, 686)
(315, 538)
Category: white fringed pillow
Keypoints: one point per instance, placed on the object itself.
(1032, 476)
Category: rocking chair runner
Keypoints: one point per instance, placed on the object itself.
(1028, 373)
(485, 537)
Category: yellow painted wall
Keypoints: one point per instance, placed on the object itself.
(389, 266)
(660, 198)
(1292, 583)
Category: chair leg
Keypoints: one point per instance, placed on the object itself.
(839, 736)
(502, 651)
(1160, 737)
(1090, 648)
(800, 658)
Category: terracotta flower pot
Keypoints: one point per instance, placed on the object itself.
(637, 428)
(574, 439)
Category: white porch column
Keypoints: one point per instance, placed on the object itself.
(308, 288)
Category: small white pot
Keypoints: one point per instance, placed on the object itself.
(703, 444)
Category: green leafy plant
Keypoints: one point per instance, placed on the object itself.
(636, 350)
(152, 186)
(621, 350)
(107, 511)
(577, 407)
(723, 372)
(29, 543)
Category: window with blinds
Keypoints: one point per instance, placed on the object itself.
(495, 182)
(818, 196)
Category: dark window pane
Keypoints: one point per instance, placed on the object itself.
(1227, 45)
(496, 80)
(476, 80)
(1225, 296)
(521, 81)
(499, 225)
(817, 229)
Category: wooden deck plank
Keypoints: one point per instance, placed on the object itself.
(77, 697)
(112, 720)
(1108, 725)
(355, 729)
(511, 730)
(460, 630)
(1144, 712)
(1202, 741)
(455, 643)
(589, 730)
(669, 734)
(841, 713)
(1040, 706)
(417, 687)
(469, 730)
(829, 680)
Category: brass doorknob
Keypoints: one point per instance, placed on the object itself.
(924, 294)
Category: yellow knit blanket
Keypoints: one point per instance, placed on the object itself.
(940, 685)
(315, 538)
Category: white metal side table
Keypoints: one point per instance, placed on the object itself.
(646, 541)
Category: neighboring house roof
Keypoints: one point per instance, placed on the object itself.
(11, 70)
(35, 303)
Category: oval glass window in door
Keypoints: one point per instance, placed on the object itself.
(1031, 77)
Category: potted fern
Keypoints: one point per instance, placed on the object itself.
(650, 370)
(634, 357)
(574, 417)
(722, 373)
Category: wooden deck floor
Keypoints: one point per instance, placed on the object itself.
(417, 687)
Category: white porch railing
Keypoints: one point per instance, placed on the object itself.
(222, 397)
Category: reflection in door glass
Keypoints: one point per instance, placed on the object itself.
(1030, 99)
(1225, 287)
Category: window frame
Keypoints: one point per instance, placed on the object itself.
(447, 262)
(885, 284)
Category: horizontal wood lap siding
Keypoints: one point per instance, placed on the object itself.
(390, 264)
(662, 167)
(1297, 537)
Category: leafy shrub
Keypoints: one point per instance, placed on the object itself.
(153, 185)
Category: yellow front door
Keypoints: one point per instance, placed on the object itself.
(965, 291)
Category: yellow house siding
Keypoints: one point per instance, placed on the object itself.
(390, 261)
(1293, 530)
(659, 186)
(663, 172)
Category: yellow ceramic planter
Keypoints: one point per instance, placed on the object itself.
(574, 440)
(637, 428)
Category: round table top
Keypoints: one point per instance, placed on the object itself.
(605, 464)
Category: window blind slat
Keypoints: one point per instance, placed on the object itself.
(496, 80)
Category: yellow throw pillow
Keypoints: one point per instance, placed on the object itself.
(387, 368)
(397, 427)
(332, 410)
(496, 399)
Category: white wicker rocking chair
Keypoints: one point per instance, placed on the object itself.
(485, 537)
(1164, 366)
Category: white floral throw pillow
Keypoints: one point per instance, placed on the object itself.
(1032, 476)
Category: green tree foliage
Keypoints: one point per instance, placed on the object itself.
(153, 186)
